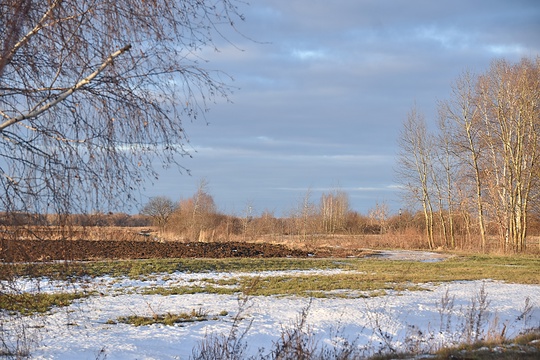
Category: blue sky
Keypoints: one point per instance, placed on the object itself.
(321, 95)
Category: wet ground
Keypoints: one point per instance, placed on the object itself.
(409, 255)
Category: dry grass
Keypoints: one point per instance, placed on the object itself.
(78, 233)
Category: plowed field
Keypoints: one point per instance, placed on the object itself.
(49, 250)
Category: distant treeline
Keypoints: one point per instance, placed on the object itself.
(95, 219)
(198, 220)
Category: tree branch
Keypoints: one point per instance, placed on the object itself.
(67, 93)
(20, 12)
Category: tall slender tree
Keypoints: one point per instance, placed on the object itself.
(414, 165)
(334, 207)
(462, 110)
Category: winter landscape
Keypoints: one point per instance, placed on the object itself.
(416, 319)
(269, 180)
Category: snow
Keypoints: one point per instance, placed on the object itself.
(398, 320)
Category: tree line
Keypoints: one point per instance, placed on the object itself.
(197, 219)
(479, 167)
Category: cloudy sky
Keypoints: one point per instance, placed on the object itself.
(322, 93)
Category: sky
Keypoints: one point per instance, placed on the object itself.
(321, 89)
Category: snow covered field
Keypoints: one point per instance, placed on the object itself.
(400, 320)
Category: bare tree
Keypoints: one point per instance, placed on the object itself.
(196, 217)
(493, 123)
(267, 224)
(450, 169)
(334, 208)
(160, 209)
(378, 215)
(508, 100)
(91, 91)
(304, 216)
(15, 13)
(415, 164)
(308, 213)
(462, 110)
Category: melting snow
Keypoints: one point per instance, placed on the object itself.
(82, 331)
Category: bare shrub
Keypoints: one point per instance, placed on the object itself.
(445, 309)
(17, 339)
(19, 332)
(230, 346)
(476, 317)
(296, 342)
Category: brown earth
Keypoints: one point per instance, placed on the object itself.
(49, 250)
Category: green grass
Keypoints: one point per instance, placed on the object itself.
(184, 290)
(138, 268)
(166, 319)
(521, 270)
(340, 285)
(366, 277)
(518, 269)
(369, 277)
(31, 303)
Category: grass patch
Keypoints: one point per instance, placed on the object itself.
(185, 290)
(338, 285)
(166, 319)
(519, 270)
(364, 277)
(514, 269)
(138, 268)
(526, 346)
(32, 303)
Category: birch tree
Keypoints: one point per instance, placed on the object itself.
(449, 168)
(509, 102)
(92, 92)
(378, 215)
(462, 110)
(306, 216)
(414, 166)
(334, 207)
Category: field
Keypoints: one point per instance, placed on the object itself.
(152, 300)
(50, 250)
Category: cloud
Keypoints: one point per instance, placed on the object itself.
(325, 86)
(308, 54)
(504, 50)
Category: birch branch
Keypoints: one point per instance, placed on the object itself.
(67, 93)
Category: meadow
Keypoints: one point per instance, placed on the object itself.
(379, 305)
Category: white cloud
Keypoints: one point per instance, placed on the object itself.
(448, 38)
(502, 50)
(308, 54)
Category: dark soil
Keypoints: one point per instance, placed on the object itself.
(49, 250)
